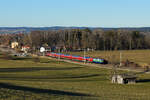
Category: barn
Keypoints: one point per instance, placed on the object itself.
(124, 79)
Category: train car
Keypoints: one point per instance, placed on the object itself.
(75, 57)
(90, 59)
(48, 54)
(62, 56)
(67, 56)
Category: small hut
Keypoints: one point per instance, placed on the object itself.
(124, 79)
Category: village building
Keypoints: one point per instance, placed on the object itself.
(25, 49)
(14, 45)
(124, 79)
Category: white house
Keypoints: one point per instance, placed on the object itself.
(14, 45)
(25, 48)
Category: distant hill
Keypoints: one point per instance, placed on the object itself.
(29, 29)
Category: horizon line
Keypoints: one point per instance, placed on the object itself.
(71, 26)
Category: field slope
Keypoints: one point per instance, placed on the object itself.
(45, 79)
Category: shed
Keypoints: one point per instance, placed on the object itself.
(124, 79)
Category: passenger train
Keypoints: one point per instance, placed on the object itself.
(77, 58)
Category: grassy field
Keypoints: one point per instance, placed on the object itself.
(27, 79)
(141, 57)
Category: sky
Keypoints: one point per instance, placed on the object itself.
(87, 13)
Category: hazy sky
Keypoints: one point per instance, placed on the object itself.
(95, 13)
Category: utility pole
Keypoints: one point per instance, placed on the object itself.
(44, 53)
(59, 55)
(84, 56)
(120, 58)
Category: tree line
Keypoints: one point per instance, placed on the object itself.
(74, 39)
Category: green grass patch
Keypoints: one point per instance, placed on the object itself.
(25, 79)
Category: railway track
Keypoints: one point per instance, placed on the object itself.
(107, 66)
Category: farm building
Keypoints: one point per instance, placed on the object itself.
(124, 79)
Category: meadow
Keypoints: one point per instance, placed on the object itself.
(141, 57)
(47, 79)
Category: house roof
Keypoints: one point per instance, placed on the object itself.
(127, 76)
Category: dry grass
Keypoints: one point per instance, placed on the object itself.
(24, 79)
(141, 57)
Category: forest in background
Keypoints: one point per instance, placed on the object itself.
(74, 39)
